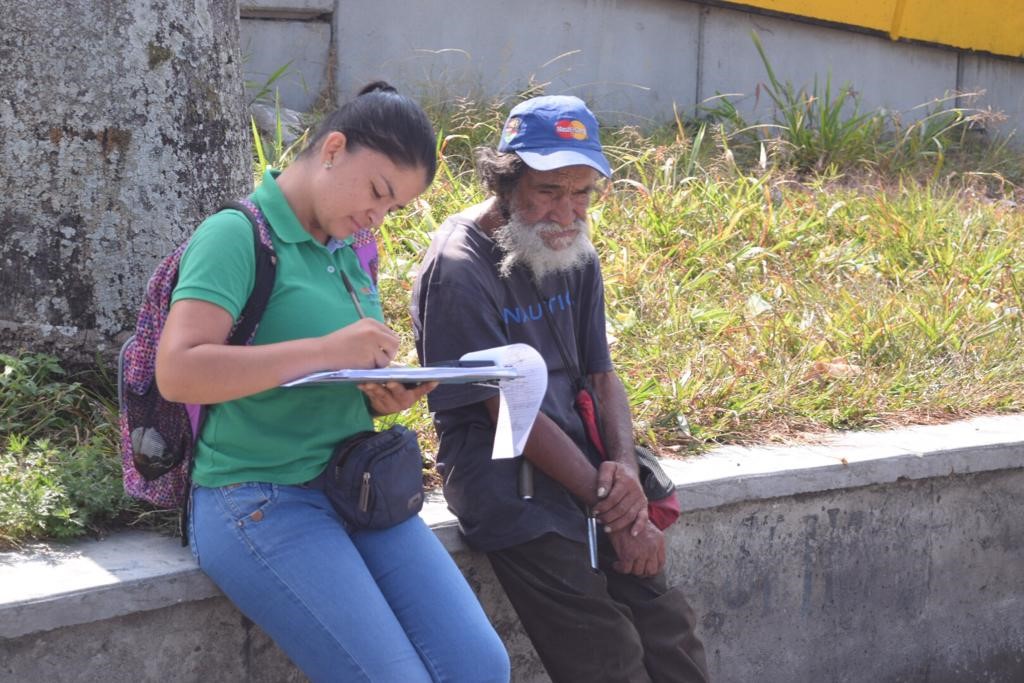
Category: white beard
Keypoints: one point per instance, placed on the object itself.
(522, 243)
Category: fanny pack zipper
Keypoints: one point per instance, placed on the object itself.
(364, 493)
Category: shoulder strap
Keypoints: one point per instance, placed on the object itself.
(266, 266)
(586, 401)
(575, 373)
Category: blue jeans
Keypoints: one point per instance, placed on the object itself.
(386, 605)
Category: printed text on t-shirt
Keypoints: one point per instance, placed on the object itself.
(536, 311)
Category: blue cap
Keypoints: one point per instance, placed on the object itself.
(552, 132)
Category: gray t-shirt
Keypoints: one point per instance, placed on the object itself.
(461, 304)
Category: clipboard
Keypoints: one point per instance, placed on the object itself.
(453, 372)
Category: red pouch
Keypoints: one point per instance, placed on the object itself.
(662, 503)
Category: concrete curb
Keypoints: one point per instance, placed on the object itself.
(48, 587)
(731, 474)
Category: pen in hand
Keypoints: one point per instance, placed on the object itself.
(592, 540)
(352, 293)
(361, 314)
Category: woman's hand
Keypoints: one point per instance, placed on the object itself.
(393, 397)
(366, 343)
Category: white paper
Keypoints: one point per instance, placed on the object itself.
(518, 370)
(519, 397)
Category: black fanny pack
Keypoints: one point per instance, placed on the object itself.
(374, 480)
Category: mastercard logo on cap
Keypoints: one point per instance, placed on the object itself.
(512, 129)
(574, 130)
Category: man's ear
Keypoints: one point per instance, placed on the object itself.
(505, 207)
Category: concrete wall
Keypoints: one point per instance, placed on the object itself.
(296, 35)
(632, 58)
(908, 581)
(633, 61)
(876, 558)
(121, 125)
(136, 608)
(886, 75)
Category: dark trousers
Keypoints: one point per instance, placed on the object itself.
(598, 626)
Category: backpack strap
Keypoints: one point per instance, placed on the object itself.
(266, 265)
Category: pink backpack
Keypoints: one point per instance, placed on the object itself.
(158, 436)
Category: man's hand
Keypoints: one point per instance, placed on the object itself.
(642, 555)
(622, 501)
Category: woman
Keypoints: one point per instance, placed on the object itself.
(385, 605)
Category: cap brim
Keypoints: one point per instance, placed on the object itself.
(549, 160)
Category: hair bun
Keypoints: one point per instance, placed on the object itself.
(377, 86)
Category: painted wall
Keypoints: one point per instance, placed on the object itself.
(994, 26)
(637, 61)
(292, 34)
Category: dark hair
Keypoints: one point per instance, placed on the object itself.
(499, 171)
(384, 121)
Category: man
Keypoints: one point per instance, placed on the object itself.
(520, 267)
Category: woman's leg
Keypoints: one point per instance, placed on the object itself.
(436, 606)
(281, 554)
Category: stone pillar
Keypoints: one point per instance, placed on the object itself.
(122, 125)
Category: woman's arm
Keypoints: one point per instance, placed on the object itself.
(194, 364)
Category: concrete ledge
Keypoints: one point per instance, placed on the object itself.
(847, 460)
(49, 586)
(285, 9)
(750, 512)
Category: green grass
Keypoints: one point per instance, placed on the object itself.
(761, 300)
(829, 270)
(60, 474)
(725, 293)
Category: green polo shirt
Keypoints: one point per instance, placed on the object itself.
(282, 436)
